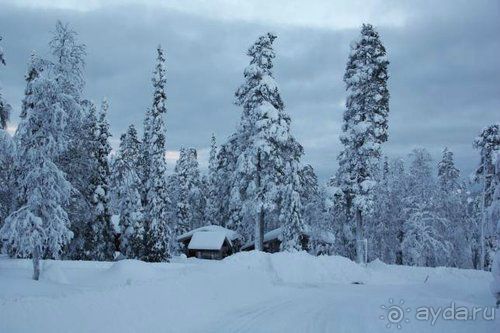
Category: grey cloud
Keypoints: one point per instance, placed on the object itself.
(445, 72)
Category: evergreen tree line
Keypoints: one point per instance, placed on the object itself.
(424, 214)
(60, 185)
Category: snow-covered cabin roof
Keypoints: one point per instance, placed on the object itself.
(230, 234)
(268, 236)
(207, 240)
(324, 236)
(273, 234)
(321, 235)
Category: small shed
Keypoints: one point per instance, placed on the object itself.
(209, 245)
(210, 242)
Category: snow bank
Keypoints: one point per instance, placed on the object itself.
(281, 292)
(129, 271)
(301, 267)
(51, 271)
(248, 258)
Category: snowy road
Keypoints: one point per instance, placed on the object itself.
(334, 309)
(248, 292)
(310, 312)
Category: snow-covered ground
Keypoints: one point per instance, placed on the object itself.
(247, 292)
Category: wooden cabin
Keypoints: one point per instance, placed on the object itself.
(210, 242)
(209, 245)
(272, 242)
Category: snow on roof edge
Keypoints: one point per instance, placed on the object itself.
(230, 234)
(325, 236)
(207, 240)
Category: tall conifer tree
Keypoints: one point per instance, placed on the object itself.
(488, 143)
(100, 244)
(211, 209)
(159, 240)
(39, 227)
(127, 192)
(265, 178)
(364, 128)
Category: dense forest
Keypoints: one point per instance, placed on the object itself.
(60, 182)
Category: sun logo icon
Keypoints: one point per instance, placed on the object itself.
(395, 314)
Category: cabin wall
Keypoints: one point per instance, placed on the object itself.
(206, 254)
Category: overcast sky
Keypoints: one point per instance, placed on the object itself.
(444, 70)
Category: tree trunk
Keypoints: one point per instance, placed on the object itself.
(360, 241)
(483, 222)
(259, 231)
(399, 252)
(36, 263)
(259, 225)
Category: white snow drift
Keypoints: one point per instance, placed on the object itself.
(246, 292)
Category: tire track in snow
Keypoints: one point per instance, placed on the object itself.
(302, 313)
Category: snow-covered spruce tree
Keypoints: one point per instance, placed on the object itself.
(5, 108)
(36, 66)
(100, 240)
(190, 200)
(132, 147)
(144, 161)
(228, 199)
(6, 156)
(488, 143)
(180, 189)
(339, 218)
(451, 204)
(365, 126)
(39, 227)
(474, 215)
(291, 212)
(448, 174)
(264, 180)
(159, 241)
(212, 204)
(310, 195)
(7, 175)
(495, 216)
(82, 171)
(315, 213)
(127, 190)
